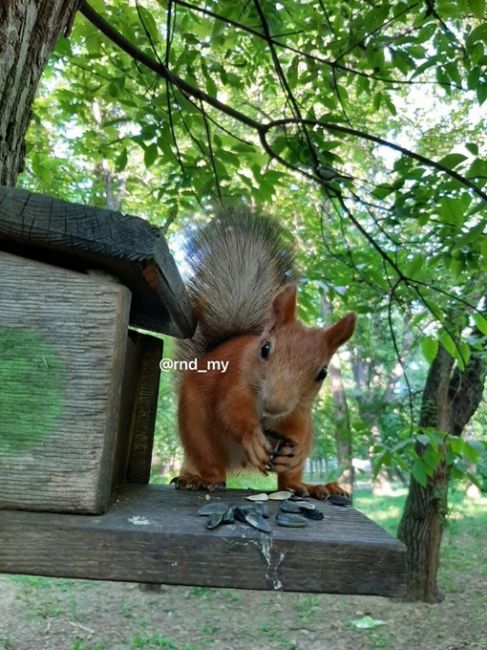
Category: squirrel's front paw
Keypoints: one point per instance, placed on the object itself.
(257, 449)
(287, 458)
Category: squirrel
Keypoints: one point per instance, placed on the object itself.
(243, 292)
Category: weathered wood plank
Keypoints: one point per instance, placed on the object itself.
(82, 237)
(127, 410)
(153, 534)
(147, 394)
(137, 420)
(63, 337)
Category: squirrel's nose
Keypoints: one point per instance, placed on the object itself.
(276, 409)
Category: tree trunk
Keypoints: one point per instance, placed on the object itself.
(449, 401)
(28, 32)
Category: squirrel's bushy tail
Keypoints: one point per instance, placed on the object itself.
(239, 262)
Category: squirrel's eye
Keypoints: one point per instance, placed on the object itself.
(265, 350)
(322, 374)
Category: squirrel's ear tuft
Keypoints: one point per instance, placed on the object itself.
(340, 332)
(284, 306)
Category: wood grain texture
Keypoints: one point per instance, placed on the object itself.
(137, 421)
(62, 351)
(81, 237)
(153, 534)
(144, 420)
(127, 410)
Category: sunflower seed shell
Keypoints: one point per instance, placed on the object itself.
(290, 520)
(282, 495)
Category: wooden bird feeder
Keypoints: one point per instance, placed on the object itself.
(78, 398)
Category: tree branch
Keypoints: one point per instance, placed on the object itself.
(338, 128)
(161, 69)
(261, 128)
(334, 65)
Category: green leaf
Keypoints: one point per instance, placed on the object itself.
(416, 51)
(473, 147)
(473, 78)
(473, 449)
(430, 459)
(121, 160)
(292, 73)
(149, 24)
(474, 479)
(464, 352)
(436, 310)
(452, 160)
(477, 7)
(478, 171)
(480, 323)
(429, 348)
(457, 473)
(150, 155)
(477, 34)
(401, 445)
(363, 85)
(419, 473)
(423, 439)
(453, 209)
(481, 92)
(383, 458)
(383, 190)
(211, 86)
(414, 265)
(456, 444)
(389, 103)
(449, 345)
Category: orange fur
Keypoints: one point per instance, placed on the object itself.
(222, 416)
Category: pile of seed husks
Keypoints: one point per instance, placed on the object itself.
(294, 512)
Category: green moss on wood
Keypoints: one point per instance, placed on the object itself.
(32, 379)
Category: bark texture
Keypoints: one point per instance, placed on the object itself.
(28, 32)
(450, 398)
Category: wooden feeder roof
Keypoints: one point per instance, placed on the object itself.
(84, 238)
(153, 533)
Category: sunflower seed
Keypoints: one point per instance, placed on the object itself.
(305, 505)
(258, 497)
(316, 515)
(257, 521)
(212, 509)
(229, 516)
(338, 500)
(290, 506)
(282, 495)
(214, 520)
(290, 520)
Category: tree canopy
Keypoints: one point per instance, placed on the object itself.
(359, 124)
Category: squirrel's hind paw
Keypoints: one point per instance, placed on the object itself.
(195, 482)
(326, 490)
(315, 491)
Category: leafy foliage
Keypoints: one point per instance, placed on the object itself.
(360, 125)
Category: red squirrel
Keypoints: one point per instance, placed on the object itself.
(244, 298)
